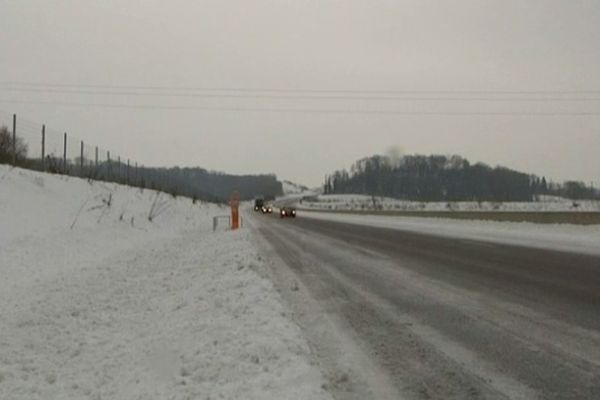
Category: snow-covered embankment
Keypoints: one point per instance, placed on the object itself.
(98, 302)
(359, 202)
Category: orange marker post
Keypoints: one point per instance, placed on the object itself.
(234, 202)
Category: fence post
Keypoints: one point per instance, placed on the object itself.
(14, 140)
(65, 154)
(108, 168)
(81, 160)
(44, 148)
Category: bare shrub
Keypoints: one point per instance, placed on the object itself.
(158, 207)
(6, 147)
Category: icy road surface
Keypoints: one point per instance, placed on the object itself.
(565, 237)
(443, 317)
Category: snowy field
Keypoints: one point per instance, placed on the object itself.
(564, 237)
(290, 188)
(356, 202)
(98, 302)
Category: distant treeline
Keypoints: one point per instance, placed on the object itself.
(197, 183)
(211, 185)
(446, 178)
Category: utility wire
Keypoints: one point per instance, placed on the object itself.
(307, 110)
(297, 96)
(12, 84)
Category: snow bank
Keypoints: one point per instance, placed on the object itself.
(98, 302)
(574, 238)
(363, 202)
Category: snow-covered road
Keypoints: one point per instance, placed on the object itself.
(118, 307)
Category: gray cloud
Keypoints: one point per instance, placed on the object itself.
(422, 46)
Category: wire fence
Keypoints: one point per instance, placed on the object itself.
(28, 144)
(34, 145)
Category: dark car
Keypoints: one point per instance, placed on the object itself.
(267, 209)
(258, 204)
(287, 212)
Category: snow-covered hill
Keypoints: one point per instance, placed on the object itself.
(292, 188)
(97, 301)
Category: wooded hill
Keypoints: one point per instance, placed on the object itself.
(196, 183)
(211, 185)
(446, 178)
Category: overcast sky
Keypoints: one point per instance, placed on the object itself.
(530, 70)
